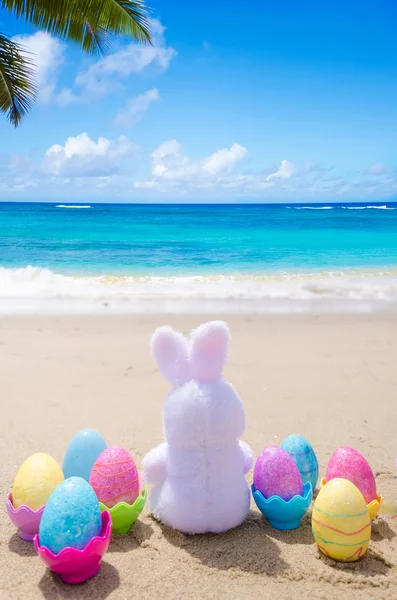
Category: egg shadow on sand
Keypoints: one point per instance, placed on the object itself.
(139, 533)
(370, 565)
(20, 547)
(248, 548)
(381, 530)
(302, 535)
(97, 588)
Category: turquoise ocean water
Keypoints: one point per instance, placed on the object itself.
(123, 253)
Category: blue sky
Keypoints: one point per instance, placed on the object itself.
(256, 101)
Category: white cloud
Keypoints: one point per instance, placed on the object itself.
(224, 159)
(136, 107)
(81, 156)
(376, 169)
(169, 161)
(48, 57)
(83, 167)
(285, 171)
(106, 75)
(170, 165)
(66, 97)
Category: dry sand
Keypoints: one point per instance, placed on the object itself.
(332, 379)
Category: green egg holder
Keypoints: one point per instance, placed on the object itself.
(124, 515)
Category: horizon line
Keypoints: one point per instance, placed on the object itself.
(173, 203)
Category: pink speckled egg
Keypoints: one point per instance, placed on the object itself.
(276, 474)
(348, 463)
(114, 477)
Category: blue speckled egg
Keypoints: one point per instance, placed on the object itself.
(303, 454)
(72, 516)
(82, 452)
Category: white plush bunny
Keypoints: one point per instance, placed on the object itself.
(199, 471)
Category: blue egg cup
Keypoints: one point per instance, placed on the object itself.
(281, 514)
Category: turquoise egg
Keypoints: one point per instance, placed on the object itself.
(71, 517)
(82, 452)
(305, 459)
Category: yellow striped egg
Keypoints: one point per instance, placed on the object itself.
(340, 521)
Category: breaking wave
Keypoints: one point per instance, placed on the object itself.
(368, 207)
(314, 207)
(73, 206)
(36, 289)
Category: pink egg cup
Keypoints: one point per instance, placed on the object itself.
(26, 520)
(75, 566)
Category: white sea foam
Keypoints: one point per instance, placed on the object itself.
(36, 290)
(314, 207)
(368, 207)
(73, 206)
(373, 207)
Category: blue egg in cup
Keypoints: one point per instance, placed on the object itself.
(304, 456)
(278, 490)
(82, 452)
(73, 534)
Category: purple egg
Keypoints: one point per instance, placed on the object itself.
(276, 474)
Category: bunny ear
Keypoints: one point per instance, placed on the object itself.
(209, 346)
(170, 352)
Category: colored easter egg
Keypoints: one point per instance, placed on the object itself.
(305, 459)
(114, 477)
(72, 516)
(82, 452)
(349, 464)
(340, 521)
(276, 474)
(35, 481)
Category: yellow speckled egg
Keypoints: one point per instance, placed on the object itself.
(35, 481)
(341, 522)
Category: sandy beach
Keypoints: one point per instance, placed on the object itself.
(330, 378)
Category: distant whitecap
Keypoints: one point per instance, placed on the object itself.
(73, 206)
(368, 207)
(314, 207)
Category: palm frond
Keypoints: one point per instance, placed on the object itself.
(17, 84)
(89, 23)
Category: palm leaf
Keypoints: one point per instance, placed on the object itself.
(90, 23)
(17, 85)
